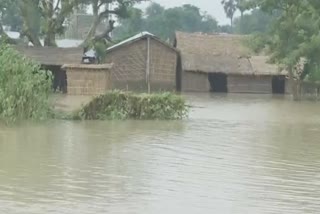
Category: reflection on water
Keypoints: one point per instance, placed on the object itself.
(236, 154)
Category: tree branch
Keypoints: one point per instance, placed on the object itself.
(57, 5)
(101, 3)
(105, 34)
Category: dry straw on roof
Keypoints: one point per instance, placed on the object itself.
(223, 53)
(52, 55)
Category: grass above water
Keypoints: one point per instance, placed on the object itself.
(118, 105)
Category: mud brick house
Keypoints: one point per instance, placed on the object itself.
(143, 63)
(52, 59)
(222, 63)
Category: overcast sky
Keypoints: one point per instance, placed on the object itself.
(213, 7)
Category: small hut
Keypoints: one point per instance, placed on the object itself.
(52, 59)
(143, 63)
(222, 63)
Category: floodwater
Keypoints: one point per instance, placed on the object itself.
(237, 154)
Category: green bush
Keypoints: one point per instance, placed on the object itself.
(127, 105)
(24, 87)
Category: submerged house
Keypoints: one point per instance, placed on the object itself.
(52, 59)
(222, 63)
(143, 63)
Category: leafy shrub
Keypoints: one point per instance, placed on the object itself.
(127, 105)
(24, 87)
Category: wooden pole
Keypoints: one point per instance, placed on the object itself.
(148, 65)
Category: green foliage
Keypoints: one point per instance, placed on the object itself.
(164, 22)
(9, 14)
(125, 105)
(256, 42)
(255, 22)
(24, 87)
(294, 34)
(100, 47)
(311, 72)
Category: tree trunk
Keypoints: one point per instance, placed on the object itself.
(231, 22)
(95, 23)
(50, 35)
(106, 33)
(50, 39)
(29, 28)
(295, 86)
(33, 38)
(92, 30)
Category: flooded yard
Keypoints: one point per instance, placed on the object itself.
(237, 154)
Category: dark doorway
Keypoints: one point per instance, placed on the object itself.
(278, 84)
(59, 81)
(218, 82)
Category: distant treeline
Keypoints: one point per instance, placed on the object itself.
(188, 18)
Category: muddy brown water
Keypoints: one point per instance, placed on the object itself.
(235, 154)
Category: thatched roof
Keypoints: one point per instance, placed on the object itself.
(223, 53)
(52, 55)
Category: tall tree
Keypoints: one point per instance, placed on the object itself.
(293, 37)
(164, 22)
(101, 11)
(31, 16)
(230, 7)
(256, 21)
(242, 6)
(49, 15)
(132, 25)
(47, 18)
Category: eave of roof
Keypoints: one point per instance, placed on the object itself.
(138, 37)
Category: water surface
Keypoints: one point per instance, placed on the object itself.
(235, 154)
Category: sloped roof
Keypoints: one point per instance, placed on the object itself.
(52, 55)
(223, 53)
(137, 37)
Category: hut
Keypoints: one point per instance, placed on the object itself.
(143, 63)
(222, 63)
(53, 58)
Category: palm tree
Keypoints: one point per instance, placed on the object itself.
(230, 7)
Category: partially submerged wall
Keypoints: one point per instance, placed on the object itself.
(163, 66)
(88, 79)
(130, 66)
(250, 84)
(195, 82)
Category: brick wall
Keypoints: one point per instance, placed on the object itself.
(162, 67)
(250, 84)
(88, 79)
(130, 64)
(195, 82)
(288, 89)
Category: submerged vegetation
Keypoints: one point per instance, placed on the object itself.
(126, 105)
(24, 87)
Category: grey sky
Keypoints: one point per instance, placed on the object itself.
(213, 7)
